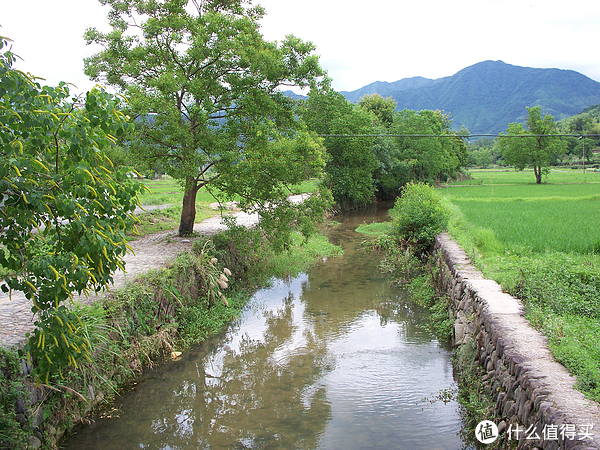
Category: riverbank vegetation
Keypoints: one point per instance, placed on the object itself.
(541, 243)
(159, 315)
(407, 243)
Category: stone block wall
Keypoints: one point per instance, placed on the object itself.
(537, 405)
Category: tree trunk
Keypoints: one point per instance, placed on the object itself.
(538, 174)
(188, 210)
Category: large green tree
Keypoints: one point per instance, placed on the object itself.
(383, 108)
(426, 149)
(206, 89)
(532, 146)
(64, 211)
(350, 160)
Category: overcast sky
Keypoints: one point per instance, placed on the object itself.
(358, 41)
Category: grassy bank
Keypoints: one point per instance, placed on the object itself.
(542, 244)
(168, 194)
(159, 315)
(167, 191)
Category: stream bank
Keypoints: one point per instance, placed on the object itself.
(332, 358)
(535, 404)
(164, 311)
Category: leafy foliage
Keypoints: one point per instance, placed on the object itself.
(586, 122)
(205, 88)
(350, 163)
(383, 149)
(241, 249)
(418, 216)
(253, 260)
(430, 158)
(383, 108)
(12, 392)
(393, 171)
(533, 146)
(64, 214)
(423, 148)
(483, 153)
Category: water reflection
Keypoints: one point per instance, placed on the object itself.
(328, 360)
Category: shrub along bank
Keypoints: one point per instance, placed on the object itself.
(162, 313)
(417, 217)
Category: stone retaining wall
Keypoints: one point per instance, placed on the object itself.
(534, 394)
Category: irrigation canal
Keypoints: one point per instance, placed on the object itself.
(331, 359)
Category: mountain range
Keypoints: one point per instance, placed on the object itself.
(487, 96)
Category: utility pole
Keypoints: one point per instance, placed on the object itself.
(583, 160)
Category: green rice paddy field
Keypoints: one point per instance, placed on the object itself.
(542, 244)
(562, 215)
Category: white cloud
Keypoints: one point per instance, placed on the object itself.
(359, 42)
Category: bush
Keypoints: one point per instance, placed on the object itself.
(418, 216)
(14, 433)
(244, 251)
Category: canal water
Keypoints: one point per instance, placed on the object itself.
(332, 359)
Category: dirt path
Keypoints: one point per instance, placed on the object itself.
(150, 251)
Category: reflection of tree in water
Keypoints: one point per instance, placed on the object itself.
(350, 287)
(412, 319)
(261, 395)
(272, 382)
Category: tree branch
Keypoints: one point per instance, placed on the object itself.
(55, 135)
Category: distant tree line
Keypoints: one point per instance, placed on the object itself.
(373, 151)
(584, 141)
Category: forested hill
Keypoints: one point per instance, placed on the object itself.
(489, 95)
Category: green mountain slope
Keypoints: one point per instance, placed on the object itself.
(489, 95)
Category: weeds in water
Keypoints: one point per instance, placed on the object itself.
(445, 395)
